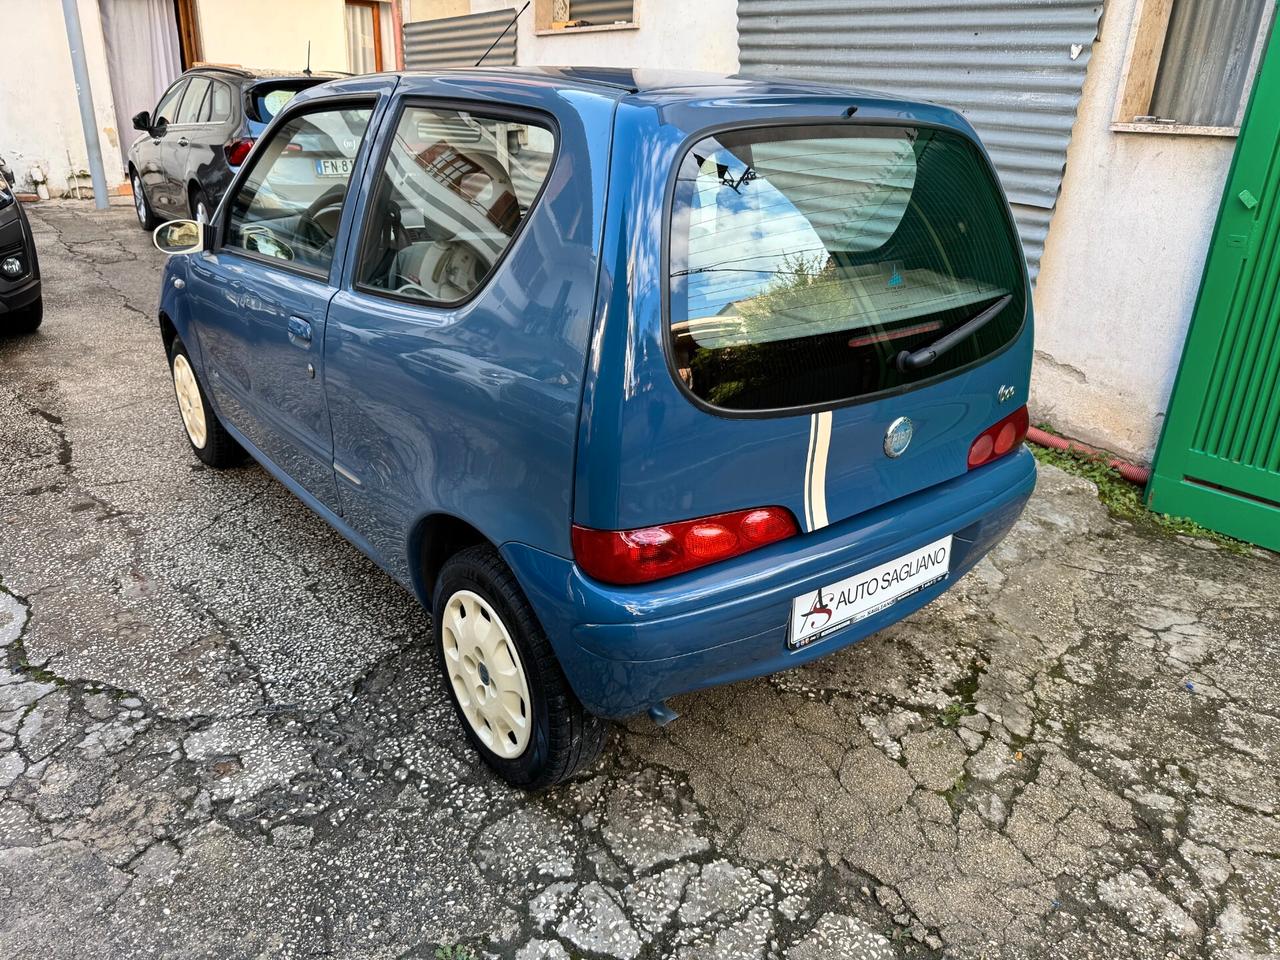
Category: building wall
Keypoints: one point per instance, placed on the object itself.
(1122, 264)
(670, 35)
(436, 9)
(273, 34)
(39, 113)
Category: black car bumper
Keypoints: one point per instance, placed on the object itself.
(17, 243)
(19, 297)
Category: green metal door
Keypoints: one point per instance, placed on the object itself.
(1218, 461)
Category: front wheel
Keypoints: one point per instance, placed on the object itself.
(146, 219)
(510, 694)
(209, 439)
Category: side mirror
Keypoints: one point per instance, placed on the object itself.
(142, 121)
(179, 236)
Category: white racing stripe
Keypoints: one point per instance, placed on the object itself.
(815, 471)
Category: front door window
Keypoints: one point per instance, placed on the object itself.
(167, 109)
(289, 206)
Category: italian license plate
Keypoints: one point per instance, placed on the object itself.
(339, 167)
(820, 612)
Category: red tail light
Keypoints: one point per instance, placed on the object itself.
(999, 438)
(238, 150)
(651, 553)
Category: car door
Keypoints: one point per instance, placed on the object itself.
(175, 150)
(150, 156)
(452, 385)
(263, 291)
(208, 161)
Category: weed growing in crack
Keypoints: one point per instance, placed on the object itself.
(454, 952)
(1124, 500)
(952, 714)
(954, 792)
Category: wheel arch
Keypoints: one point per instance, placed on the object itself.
(436, 538)
(168, 331)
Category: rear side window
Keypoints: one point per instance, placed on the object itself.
(453, 192)
(806, 260)
(220, 103)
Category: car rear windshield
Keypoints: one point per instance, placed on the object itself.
(806, 261)
(269, 98)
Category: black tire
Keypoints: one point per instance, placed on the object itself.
(565, 739)
(197, 197)
(219, 449)
(147, 220)
(26, 320)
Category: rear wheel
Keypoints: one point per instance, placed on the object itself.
(511, 696)
(26, 320)
(146, 219)
(201, 209)
(209, 439)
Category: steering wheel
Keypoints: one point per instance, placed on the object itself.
(320, 220)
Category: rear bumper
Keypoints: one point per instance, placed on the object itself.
(625, 649)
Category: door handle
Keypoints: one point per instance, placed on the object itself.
(183, 141)
(300, 332)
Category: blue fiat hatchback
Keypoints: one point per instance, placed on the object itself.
(642, 382)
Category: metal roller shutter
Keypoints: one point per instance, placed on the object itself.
(1014, 68)
(459, 41)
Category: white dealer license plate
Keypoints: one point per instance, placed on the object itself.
(334, 168)
(820, 612)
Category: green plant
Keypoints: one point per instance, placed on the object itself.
(952, 713)
(1124, 500)
(454, 952)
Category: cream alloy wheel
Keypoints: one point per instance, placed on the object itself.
(189, 402)
(487, 676)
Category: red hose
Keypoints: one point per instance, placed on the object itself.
(1130, 471)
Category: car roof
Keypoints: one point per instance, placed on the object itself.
(612, 82)
(240, 73)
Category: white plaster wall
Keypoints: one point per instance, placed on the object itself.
(669, 35)
(273, 34)
(1122, 264)
(39, 113)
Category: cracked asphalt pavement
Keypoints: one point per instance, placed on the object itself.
(221, 733)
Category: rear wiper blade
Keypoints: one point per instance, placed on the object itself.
(914, 360)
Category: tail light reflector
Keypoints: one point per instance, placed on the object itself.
(651, 553)
(1000, 438)
(238, 150)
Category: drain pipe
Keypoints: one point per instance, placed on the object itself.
(1130, 471)
(80, 70)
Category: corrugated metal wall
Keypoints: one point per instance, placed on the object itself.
(601, 11)
(459, 41)
(1013, 67)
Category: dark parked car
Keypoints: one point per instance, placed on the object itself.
(21, 305)
(198, 136)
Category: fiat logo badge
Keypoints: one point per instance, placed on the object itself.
(897, 437)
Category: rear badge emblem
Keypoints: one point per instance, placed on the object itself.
(1004, 393)
(897, 437)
